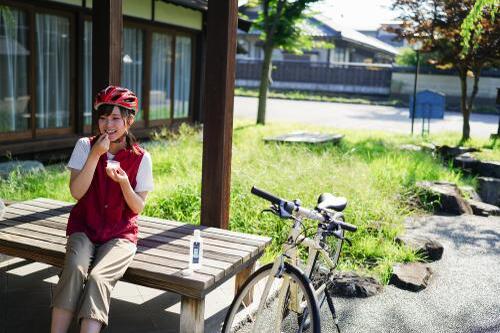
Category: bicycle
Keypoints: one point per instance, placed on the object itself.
(287, 295)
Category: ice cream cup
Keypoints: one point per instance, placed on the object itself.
(113, 164)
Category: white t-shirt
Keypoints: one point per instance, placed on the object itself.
(144, 177)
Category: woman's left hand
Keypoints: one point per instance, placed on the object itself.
(118, 175)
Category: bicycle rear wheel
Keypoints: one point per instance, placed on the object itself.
(280, 312)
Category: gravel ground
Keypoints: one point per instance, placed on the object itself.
(463, 295)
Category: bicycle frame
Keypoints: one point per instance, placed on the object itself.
(289, 253)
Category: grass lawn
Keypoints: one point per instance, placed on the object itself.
(367, 167)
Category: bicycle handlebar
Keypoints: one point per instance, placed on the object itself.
(265, 195)
(301, 211)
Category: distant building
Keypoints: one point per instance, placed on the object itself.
(386, 36)
(351, 46)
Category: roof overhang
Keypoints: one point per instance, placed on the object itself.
(202, 5)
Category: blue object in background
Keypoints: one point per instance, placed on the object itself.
(430, 105)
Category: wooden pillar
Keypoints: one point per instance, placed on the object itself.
(192, 319)
(218, 112)
(107, 30)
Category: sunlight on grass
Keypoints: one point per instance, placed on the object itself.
(367, 168)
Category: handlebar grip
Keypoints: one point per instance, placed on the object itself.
(265, 195)
(347, 226)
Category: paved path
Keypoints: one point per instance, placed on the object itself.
(357, 116)
(463, 295)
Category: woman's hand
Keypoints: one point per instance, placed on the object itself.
(101, 146)
(118, 175)
(135, 201)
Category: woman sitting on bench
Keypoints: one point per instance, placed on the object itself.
(110, 178)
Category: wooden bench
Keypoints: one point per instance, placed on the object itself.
(35, 230)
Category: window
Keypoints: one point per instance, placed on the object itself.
(14, 56)
(132, 69)
(87, 73)
(52, 43)
(161, 74)
(182, 86)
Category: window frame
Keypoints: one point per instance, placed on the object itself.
(33, 132)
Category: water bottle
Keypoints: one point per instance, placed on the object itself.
(196, 251)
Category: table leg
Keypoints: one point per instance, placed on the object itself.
(192, 315)
(241, 277)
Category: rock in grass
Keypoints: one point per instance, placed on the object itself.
(466, 162)
(489, 190)
(470, 193)
(483, 209)
(489, 169)
(412, 277)
(410, 147)
(447, 197)
(22, 166)
(350, 284)
(429, 248)
(2, 208)
(448, 153)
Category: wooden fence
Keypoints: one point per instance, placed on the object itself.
(337, 77)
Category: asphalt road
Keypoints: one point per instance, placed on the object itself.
(463, 295)
(357, 116)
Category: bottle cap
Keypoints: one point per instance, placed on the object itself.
(197, 233)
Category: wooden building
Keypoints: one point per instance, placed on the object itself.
(54, 56)
(46, 68)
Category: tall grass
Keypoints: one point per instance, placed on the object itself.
(367, 168)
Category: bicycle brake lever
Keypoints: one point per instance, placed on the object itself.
(268, 210)
(348, 241)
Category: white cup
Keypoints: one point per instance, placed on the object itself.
(113, 164)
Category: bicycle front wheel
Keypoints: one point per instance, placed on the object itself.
(283, 305)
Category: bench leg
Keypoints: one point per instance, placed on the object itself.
(241, 277)
(192, 315)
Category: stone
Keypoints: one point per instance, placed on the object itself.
(489, 190)
(350, 284)
(306, 137)
(2, 208)
(410, 147)
(483, 209)
(470, 193)
(428, 147)
(466, 162)
(447, 152)
(489, 169)
(448, 197)
(412, 277)
(429, 248)
(22, 166)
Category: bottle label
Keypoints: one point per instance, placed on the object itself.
(196, 252)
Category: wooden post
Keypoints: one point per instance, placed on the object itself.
(107, 30)
(218, 112)
(192, 315)
(240, 279)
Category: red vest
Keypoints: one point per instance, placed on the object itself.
(102, 213)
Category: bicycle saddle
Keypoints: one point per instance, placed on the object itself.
(329, 201)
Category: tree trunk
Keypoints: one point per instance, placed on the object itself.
(463, 106)
(265, 78)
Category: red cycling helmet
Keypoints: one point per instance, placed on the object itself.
(119, 96)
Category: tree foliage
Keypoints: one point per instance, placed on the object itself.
(281, 23)
(472, 23)
(408, 57)
(437, 24)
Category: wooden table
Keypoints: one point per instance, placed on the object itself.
(36, 230)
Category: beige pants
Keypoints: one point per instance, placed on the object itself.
(89, 275)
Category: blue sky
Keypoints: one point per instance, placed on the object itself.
(356, 14)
